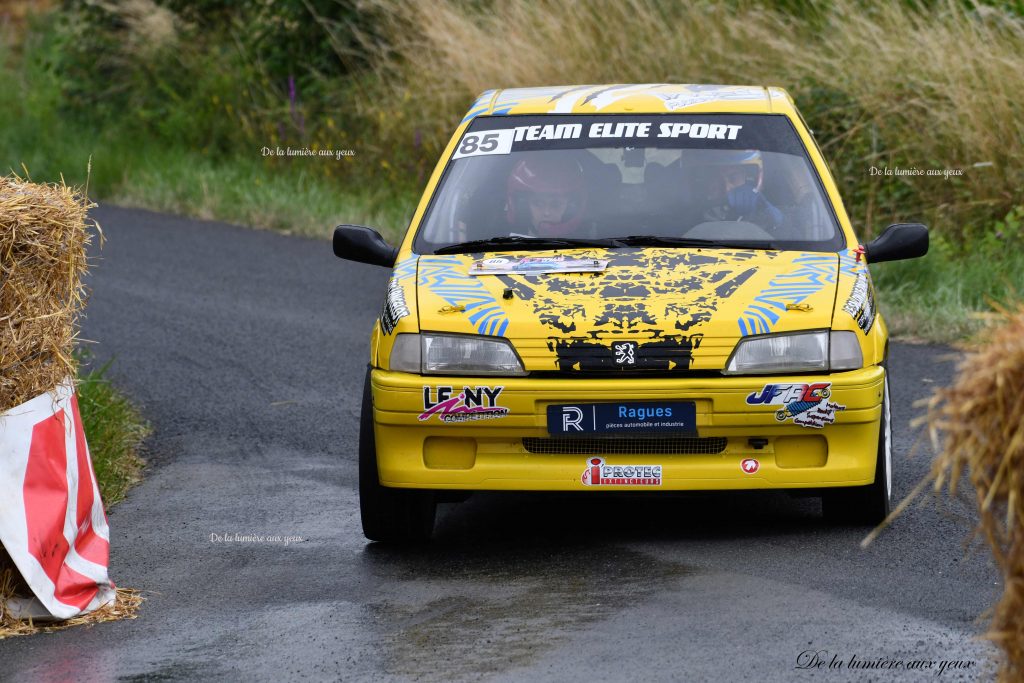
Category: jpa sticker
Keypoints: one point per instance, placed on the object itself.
(806, 404)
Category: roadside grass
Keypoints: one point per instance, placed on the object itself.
(244, 191)
(946, 297)
(240, 189)
(115, 430)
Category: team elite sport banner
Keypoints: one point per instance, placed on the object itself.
(52, 522)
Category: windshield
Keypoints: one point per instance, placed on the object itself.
(674, 180)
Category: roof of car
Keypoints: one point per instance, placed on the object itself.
(645, 98)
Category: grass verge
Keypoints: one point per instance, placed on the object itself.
(115, 430)
(243, 191)
(946, 297)
(239, 189)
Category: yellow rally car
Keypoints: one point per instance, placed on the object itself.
(627, 288)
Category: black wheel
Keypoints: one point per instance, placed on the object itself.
(388, 514)
(867, 504)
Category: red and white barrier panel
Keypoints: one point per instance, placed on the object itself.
(52, 522)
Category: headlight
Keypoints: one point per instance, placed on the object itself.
(844, 353)
(796, 352)
(449, 354)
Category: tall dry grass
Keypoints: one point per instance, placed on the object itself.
(934, 89)
(977, 425)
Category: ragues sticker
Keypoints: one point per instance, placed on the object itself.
(806, 404)
(471, 403)
(599, 474)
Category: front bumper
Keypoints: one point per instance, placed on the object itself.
(489, 453)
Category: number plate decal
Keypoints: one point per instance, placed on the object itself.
(485, 142)
(645, 416)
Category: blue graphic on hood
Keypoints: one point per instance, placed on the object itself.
(405, 268)
(483, 103)
(446, 277)
(849, 263)
(787, 288)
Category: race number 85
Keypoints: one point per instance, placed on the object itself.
(487, 142)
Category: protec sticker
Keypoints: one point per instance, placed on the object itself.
(598, 473)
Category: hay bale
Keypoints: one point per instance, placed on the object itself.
(43, 237)
(978, 424)
(44, 232)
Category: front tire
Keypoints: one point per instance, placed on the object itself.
(388, 514)
(867, 505)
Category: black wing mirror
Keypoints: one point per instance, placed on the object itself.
(897, 242)
(359, 243)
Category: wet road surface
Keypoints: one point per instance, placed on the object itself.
(246, 350)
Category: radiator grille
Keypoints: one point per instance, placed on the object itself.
(627, 446)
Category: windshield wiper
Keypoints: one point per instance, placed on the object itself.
(668, 241)
(522, 242)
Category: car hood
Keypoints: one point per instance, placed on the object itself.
(677, 310)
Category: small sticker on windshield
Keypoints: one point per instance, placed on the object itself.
(487, 142)
(536, 265)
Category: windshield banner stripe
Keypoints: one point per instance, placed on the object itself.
(506, 134)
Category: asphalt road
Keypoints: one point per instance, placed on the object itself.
(246, 350)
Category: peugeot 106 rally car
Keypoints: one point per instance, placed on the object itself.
(627, 288)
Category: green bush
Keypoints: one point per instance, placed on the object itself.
(216, 77)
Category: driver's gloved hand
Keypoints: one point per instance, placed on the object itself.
(747, 201)
(744, 199)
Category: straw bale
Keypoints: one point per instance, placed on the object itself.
(43, 239)
(977, 426)
(44, 233)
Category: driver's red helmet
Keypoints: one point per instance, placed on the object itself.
(546, 175)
